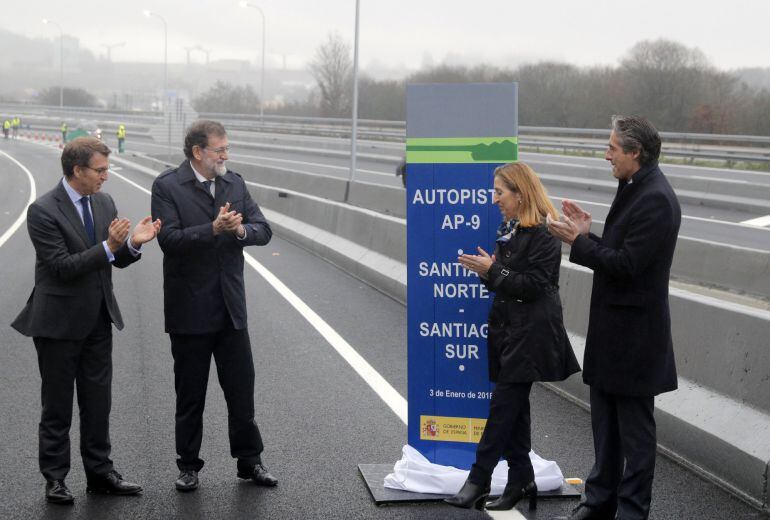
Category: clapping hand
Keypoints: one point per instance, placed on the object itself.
(145, 231)
(227, 220)
(479, 264)
(117, 233)
(576, 214)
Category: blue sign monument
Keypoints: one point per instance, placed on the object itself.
(456, 136)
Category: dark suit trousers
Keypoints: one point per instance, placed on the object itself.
(625, 446)
(507, 435)
(87, 364)
(235, 369)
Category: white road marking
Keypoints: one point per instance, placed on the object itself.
(374, 379)
(376, 382)
(132, 183)
(505, 515)
(32, 196)
(761, 221)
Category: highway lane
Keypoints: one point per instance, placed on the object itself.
(720, 225)
(318, 417)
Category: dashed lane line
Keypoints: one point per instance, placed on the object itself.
(32, 196)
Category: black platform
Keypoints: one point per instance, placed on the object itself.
(374, 475)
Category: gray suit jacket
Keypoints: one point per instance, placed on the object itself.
(72, 279)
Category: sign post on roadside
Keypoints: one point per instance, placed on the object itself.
(456, 136)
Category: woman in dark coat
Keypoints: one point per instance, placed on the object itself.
(527, 341)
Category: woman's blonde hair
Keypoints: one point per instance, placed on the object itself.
(535, 204)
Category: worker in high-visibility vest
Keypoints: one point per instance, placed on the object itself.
(63, 132)
(15, 125)
(121, 137)
(6, 128)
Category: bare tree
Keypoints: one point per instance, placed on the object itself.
(227, 98)
(663, 81)
(332, 69)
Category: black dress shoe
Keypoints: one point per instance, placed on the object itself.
(583, 512)
(112, 484)
(56, 492)
(187, 481)
(259, 475)
(470, 496)
(514, 492)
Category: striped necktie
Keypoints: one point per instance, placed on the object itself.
(88, 221)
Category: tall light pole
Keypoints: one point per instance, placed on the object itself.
(245, 4)
(189, 49)
(46, 21)
(354, 122)
(111, 46)
(148, 14)
(207, 52)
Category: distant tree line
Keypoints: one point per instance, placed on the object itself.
(671, 84)
(73, 97)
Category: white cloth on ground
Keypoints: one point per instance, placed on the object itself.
(415, 473)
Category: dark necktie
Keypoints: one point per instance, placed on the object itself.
(88, 221)
(207, 185)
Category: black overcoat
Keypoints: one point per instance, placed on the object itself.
(203, 271)
(628, 344)
(527, 340)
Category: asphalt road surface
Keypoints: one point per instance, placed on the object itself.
(319, 418)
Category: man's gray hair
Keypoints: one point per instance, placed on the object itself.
(636, 134)
(198, 135)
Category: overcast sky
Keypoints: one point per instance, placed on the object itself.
(406, 33)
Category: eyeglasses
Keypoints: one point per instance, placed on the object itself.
(100, 171)
(219, 151)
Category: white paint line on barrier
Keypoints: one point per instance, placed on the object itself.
(374, 379)
(32, 196)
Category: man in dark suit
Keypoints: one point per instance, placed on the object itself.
(209, 217)
(78, 239)
(629, 357)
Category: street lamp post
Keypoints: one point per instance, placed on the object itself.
(109, 47)
(46, 21)
(246, 4)
(148, 14)
(207, 52)
(354, 122)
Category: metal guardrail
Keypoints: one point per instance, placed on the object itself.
(730, 148)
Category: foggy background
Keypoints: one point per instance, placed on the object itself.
(691, 66)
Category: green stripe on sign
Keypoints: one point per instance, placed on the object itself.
(462, 149)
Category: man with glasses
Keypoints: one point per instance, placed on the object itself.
(208, 218)
(78, 239)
